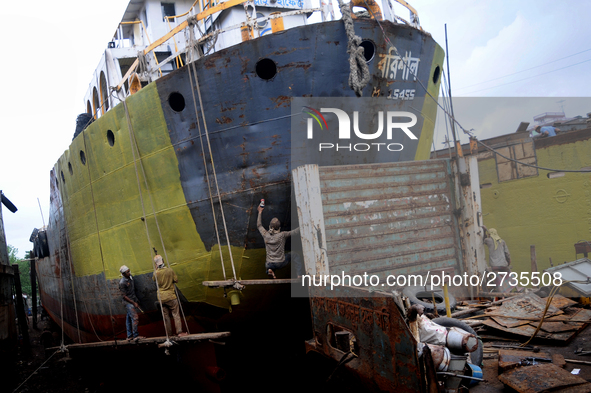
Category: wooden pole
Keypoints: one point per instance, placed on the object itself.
(534, 263)
(446, 298)
(473, 310)
(34, 290)
(20, 310)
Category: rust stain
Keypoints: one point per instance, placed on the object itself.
(305, 66)
(245, 62)
(255, 173)
(225, 109)
(281, 101)
(223, 120)
(284, 51)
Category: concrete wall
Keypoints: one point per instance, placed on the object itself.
(552, 214)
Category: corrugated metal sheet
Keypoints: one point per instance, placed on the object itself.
(395, 218)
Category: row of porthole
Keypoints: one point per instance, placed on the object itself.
(110, 140)
(266, 69)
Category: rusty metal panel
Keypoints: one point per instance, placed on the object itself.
(385, 351)
(395, 218)
(543, 378)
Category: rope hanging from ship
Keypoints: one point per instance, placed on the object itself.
(142, 64)
(359, 75)
(196, 45)
(192, 67)
(157, 227)
(134, 147)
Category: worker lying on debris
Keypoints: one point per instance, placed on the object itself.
(130, 301)
(170, 304)
(541, 132)
(499, 258)
(275, 246)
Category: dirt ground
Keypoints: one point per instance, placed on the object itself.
(51, 371)
(153, 371)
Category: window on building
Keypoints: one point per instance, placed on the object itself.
(522, 152)
(168, 10)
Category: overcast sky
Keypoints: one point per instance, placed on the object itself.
(534, 48)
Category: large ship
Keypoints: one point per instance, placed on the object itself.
(187, 126)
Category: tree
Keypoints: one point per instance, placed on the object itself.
(12, 251)
(24, 269)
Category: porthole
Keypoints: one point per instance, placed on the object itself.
(57, 183)
(369, 50)
(63, 177)
(82, 157)
(436, 74)
(262, 24)
(176, 102)
(111, 137)
(266, 69)
(70, 168)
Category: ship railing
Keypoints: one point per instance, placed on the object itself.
(197, 16)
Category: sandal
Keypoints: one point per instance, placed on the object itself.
(271, 273)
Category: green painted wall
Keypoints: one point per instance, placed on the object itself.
(552, 214)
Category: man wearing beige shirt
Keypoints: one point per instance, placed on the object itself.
(166, 278)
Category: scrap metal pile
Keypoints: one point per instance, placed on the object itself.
(554, 320)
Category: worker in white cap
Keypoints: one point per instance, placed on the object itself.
(166, 294)
(130, 302)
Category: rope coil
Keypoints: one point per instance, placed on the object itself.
(359, 75)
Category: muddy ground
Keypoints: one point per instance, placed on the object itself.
(51, 371)
(150, 371)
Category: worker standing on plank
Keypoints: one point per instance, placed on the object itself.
(275, 246)
(166, 293)
(130, 301)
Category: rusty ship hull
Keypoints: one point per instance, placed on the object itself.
(141, 178)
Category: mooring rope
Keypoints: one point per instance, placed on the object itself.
(134, 144)
(359, 75)
(213, 167)
(34, 372)
(137, 175)
(142, 63)
(215, 222)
